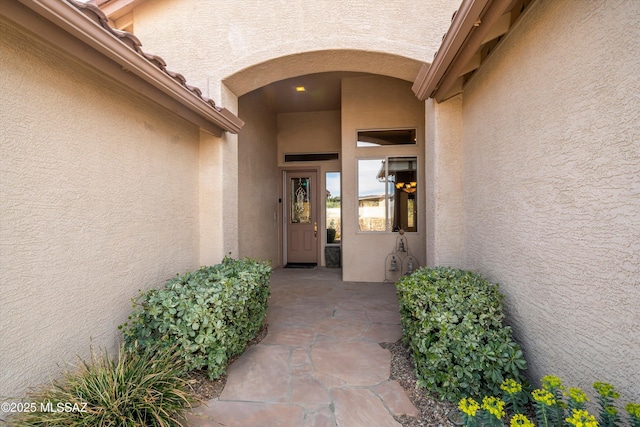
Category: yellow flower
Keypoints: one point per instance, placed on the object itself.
(606, 390)
(576, 395)
(519, 420)
(581, 418)
(511, 386)
(611, 410)
(494, 406)
(469, 406)
(543, 396)
(551, 382)
(633, 409)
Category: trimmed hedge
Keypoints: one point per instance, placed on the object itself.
(452, 322)
(209, 314)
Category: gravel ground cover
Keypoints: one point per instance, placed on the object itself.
(431, 411)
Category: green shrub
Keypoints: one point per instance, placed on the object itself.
(209, 314)
(452, 321)
(139, 388)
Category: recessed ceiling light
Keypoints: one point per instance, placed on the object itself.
(300, 89)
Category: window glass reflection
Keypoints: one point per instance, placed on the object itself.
(333, 207)
(387, 194)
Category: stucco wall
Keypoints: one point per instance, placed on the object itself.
(258, 180)
(552, 188)
(209, 41)
(312, 132)
(98, 198)
(376, 103)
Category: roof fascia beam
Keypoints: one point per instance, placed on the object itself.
(470, 46)
(116, 8)
(83, 28)
(430, 75)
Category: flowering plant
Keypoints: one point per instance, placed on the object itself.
(470, 408)
(634, 413)
(550, 404)
(607, 395)
(493, 411)
(513, 395)
(582, 418)
(544, 403)
(576, 398)
(553, 385)
(520, 420)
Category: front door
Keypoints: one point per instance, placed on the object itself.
(302, 217)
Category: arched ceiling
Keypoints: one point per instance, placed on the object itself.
(316, 62)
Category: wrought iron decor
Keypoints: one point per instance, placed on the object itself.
(400, 261)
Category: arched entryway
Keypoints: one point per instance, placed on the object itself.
(311, 104)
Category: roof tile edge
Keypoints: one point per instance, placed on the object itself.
(97, 15)
(194, 99)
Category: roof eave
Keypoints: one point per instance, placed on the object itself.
(476, 30)
(70, 19)
(462, 23)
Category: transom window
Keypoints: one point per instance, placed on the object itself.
(386, 137)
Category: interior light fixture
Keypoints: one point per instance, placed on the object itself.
(300, 89)
(407, 187)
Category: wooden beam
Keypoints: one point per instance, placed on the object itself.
(115, 9)
(463, 21)
(472, 64)
(499, 28)
(471, 44)
(124, 21)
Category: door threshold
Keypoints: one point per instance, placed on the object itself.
(301, 265)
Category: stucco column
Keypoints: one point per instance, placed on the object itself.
(443, 168)
(211, 178)
(230, 181)
(218, 180)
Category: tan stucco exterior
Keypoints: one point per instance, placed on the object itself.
(212, 42)
(551, 173)
(364, 252)
(99, 193)
(530, 176)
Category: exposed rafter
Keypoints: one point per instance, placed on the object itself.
(476, 29)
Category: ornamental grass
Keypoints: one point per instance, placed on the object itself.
(139, 388)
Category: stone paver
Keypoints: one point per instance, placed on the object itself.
(357, 407)
(246, 414)
(261, 374)
(392, 393)
(358, 363)
(383, 332)
(320, 364)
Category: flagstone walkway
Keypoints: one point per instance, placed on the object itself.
(321, 363)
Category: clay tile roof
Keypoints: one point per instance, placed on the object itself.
(91, 10)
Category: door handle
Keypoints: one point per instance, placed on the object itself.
(315, 229)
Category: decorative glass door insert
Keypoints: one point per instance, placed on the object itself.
(300, 198)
